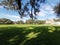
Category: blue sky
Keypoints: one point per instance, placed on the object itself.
(46, 12)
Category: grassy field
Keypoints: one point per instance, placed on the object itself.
(29, 34)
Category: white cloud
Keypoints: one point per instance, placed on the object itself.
(46, 10)
(41, 13)
(9, 16)
(12, 16)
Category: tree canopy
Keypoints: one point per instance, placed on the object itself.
(57, 10)
(28, 8)
(31, 7)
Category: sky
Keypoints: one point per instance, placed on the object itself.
(46, 12)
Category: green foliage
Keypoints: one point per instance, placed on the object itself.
(40, 21)
(20, 22)
(5, 21)
(23, 35)
(30, 21)
(57, 20)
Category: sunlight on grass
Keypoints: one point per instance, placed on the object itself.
(25, 25)
(29, 28)
(32, 35)
(29, 34)
(51, 29)
(14, 38)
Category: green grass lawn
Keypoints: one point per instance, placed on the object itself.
(29, 34)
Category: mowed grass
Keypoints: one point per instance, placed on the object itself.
(29, 34)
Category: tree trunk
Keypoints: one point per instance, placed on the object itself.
(32, 15)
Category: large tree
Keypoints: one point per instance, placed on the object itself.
(29, 8)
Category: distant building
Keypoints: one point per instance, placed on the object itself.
(52, 22)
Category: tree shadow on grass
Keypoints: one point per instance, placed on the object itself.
(43, 35)
(11, 36)
(48, 35)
